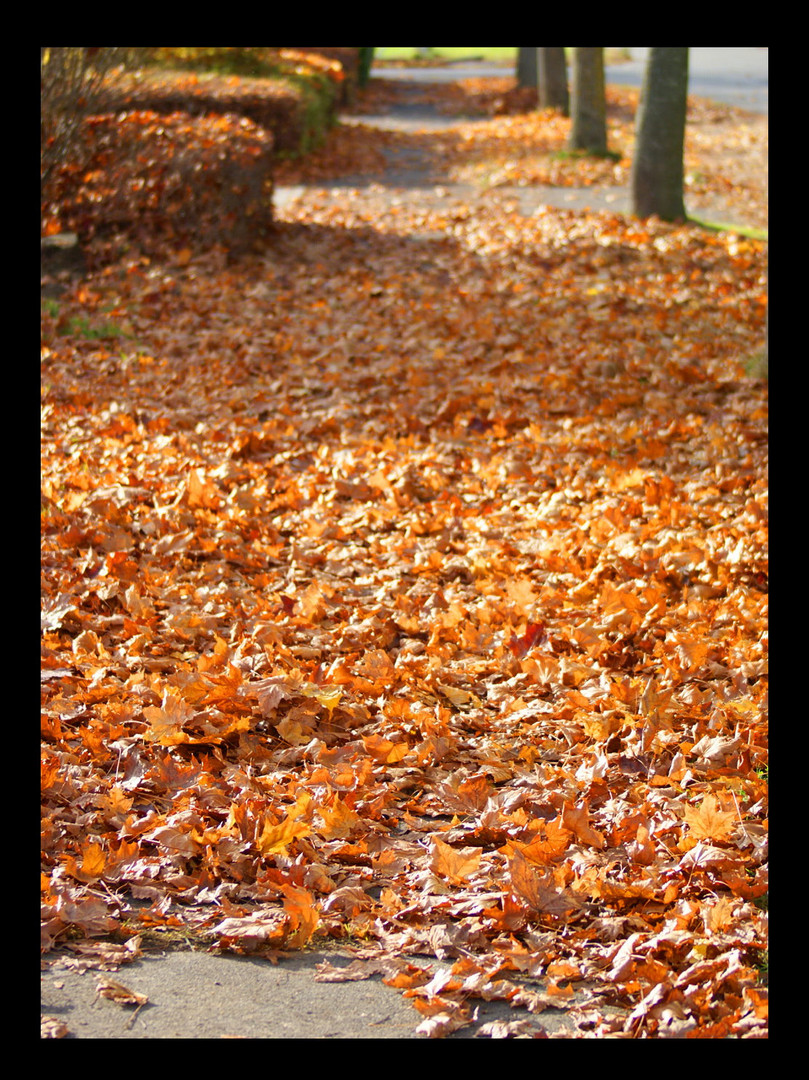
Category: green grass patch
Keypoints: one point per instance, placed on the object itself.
(492, 56)
(758, 366)
(80, 326)
(496, 56)
(723, 226)
(573, 155)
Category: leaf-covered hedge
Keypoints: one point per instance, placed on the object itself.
(182, 147)
(298, 106)
(191, 180)
(343, 65)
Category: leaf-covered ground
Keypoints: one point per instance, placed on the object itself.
(405, 586)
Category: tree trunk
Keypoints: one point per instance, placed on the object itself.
(589, 105)
(366, 59)
(527, 74)
(553, 93)
(657, 167)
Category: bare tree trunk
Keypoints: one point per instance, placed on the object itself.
(657, 167)
(553, 92)
(527, 74)
(589, 105)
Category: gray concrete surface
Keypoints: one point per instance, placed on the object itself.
(202, 995)
(738, 77)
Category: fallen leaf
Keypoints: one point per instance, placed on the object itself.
(454, 863)
(539, 892)
(117, 992)
(708, 822)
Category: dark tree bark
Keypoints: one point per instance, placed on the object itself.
(588, 105)
(553, 92)
(527, 73)
(657, 166)
(366, 59)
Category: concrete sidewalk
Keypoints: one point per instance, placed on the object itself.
(202, 995)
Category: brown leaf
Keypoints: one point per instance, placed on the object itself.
(117, 992)
(454, 863)
(577, 820)
(538, 891)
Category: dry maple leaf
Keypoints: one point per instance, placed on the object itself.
(339, 820)
(577, 820)
(115, 991)
(708, 822)
(454, 863)
(275, 839)
(510, 1029)
(167, 719)
(92, 864)
(253, 932)
(53, 1028)
(539, 892)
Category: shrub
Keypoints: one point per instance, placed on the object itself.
(295, 114)
(72, 79)
(148, 178)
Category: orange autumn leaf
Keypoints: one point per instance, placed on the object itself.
(275, 839)
(453, 863)
(539, 891)
(92, 863)
(166, 720)
(553, 843)
(708, 822)
(304, 916)
(383, 750)
(577, 820)
(339, 820)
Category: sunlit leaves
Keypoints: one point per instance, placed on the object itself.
(166, 720)
(538, 890)
(414, 592)
(275, 839)
(453, 863)
(708, 822)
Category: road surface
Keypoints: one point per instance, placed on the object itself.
(732, 76)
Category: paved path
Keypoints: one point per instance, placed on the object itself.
(738, 77)
(201, 995)
(732, 76)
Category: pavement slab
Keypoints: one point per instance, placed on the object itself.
(189, 994)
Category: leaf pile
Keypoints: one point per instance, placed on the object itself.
(407, 585)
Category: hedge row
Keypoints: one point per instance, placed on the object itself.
(297, 105)
(187, 157)
(153, 179)
(348, 63)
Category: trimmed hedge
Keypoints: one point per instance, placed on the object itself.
(190, 180)
(298, 107)
(348, 63)
(187, 156)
